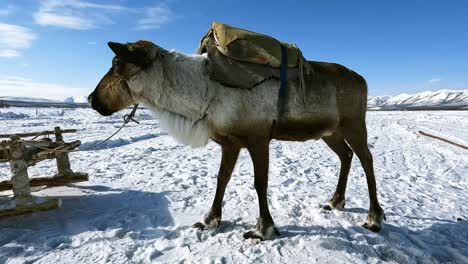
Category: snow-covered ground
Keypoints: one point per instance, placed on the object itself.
(145, 192)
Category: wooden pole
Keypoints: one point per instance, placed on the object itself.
(38, 205)
(19, 172)
(444, 140)
(50, 154)
(49, 181)
(63, 162)
(33, 134)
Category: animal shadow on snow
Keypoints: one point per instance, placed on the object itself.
(102, 210)
(437, 241)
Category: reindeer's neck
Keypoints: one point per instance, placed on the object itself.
(183, 86)
(179, 92)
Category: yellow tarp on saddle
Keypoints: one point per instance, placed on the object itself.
(247, 46)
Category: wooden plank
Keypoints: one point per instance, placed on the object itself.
(49, 181)
(56, 151)
(38, 205)
(44, 144)
(444, 140)
(33, 134)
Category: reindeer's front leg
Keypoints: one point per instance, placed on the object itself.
(265, 228)
(230, 153)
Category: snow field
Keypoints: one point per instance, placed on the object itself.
(146, 190)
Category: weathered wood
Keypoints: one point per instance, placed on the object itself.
(63, 162)
(24, 153)
(56, 151)
(49, 181)
(444, 140)
(37, 205)
(19, 172)
(33, 134)
(5, 143)
(36, 152)
(40, 143)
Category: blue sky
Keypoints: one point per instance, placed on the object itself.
(57, 48)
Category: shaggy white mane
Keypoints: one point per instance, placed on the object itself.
(176, 90)
(182, 129)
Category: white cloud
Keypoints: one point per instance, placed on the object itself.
(18, 86)
(13, 39)
(83, 15)
(155, 17)
(52, 19)
(74, 14)
(434, 80)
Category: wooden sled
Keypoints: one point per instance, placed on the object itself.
(22, 154)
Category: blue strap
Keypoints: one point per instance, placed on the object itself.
(284, 71)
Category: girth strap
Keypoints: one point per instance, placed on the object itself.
(283, 71)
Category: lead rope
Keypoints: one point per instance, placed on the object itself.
(126, 119)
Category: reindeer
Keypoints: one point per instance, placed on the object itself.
(193, 109)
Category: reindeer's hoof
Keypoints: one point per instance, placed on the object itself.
(374, 220)
(269, 234)
(199, 226)
(334, 204)
(208, 224)
(372, 227)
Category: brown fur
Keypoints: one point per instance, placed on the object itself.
(348, 135)
(113, 94)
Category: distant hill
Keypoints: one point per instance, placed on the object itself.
(440, 100)
(69, 102)
(27, 99)
(443, 99)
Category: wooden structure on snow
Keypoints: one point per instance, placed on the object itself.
(21, 154)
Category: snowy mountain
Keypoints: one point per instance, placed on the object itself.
(443, 99)
(76, 100)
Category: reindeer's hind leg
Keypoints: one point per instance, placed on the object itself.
(230, 153)
(355, 134)
(337, 143)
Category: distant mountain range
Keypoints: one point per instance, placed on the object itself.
(72, 101)
(443, 99)
(68, 100)
(440, 100)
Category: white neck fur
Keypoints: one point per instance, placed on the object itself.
(179, 95)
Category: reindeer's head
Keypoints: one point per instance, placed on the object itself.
(132, 60)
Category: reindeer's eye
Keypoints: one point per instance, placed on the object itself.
(115, 61)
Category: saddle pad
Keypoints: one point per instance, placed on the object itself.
(247, 46)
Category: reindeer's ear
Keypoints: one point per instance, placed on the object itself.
(133, 53)
(117, 48)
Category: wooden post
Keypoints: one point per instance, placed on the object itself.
(63, 162)
(19, 172)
